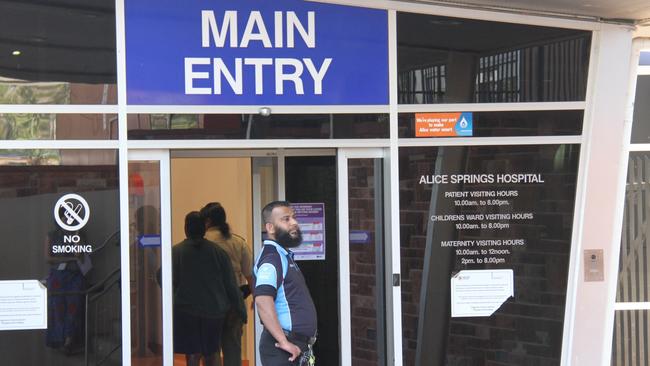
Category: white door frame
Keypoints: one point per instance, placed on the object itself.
(162, 157)
(343, 155)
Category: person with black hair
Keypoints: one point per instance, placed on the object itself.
(282, 298)
(205, 291)
(218, 231)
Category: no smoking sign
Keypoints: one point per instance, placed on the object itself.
(71, 212)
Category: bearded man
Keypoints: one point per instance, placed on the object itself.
(282, 298)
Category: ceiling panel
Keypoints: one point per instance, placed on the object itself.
(636, 11)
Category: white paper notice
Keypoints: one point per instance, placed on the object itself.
(480, 292)
(23, 305)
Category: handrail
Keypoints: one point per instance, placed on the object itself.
(95, 251)
(102, 282)
(93, 288)
(94, 292)
(105, 289)
(101, 289)
(109, 354)
(102, 246)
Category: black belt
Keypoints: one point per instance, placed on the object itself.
(300, 338)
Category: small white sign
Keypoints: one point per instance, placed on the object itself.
(477, 293)
(23, 305)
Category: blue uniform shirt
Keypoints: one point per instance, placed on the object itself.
(277, 275)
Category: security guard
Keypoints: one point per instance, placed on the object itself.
(283, 302)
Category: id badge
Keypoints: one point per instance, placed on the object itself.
(311, 360)
(308, 358)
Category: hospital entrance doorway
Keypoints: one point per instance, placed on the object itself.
(350, 326)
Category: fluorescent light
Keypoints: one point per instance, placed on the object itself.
(16, 53)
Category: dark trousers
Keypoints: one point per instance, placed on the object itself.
(195, 334)
(231, 340)
(272, 356)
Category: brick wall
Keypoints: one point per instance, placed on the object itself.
(363, 266)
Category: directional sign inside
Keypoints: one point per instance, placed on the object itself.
(149, 240)
(360, 237)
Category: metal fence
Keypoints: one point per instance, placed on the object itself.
(631, 344)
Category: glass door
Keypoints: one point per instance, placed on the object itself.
(347, 277)
(265, 189)
(150, 255)
(307, 178)
(238, 180)
(363, 258)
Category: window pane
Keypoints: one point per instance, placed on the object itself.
(145, 260)
(42, 126)
(494, 124)
(641, 119)
(468, 209)
(60, 227)
(634, 264)
(453, 60)
(367, 294)
(254, 126)
(57, 52)
(631, 345)
(312, 179)
(644, 58)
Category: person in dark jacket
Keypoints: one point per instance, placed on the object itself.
(205, 291)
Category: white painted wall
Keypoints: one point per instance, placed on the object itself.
(599, 206)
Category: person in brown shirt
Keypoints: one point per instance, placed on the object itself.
(218, 231)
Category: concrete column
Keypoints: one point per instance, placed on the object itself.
(599, 206)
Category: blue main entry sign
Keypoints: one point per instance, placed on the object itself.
(255, 52)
